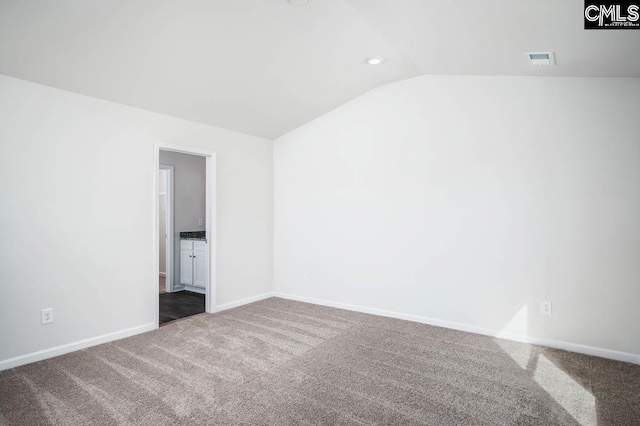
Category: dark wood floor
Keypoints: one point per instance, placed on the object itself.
(179, 305)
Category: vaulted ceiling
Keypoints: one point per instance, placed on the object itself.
(264, 67)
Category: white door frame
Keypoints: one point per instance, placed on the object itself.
(169, 228)
(210, 224)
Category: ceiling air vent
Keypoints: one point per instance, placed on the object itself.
(544, 59)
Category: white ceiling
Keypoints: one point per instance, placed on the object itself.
(264, 67)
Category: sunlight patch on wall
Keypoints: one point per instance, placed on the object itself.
(517, 324)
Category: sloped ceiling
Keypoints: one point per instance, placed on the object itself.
(264, 67)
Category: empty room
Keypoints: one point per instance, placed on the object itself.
(319, 212)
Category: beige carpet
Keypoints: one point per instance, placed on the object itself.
(279, 362)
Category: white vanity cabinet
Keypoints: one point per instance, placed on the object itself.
(193, 263)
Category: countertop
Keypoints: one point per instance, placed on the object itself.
(193, 235)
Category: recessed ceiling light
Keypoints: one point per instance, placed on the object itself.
(542, 59)
(298, 2)
(374, 60)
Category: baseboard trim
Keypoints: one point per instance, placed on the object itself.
(75, 346)
(556, 344)
(245, 301)
(568, 346)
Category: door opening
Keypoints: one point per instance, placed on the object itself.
(185, 232)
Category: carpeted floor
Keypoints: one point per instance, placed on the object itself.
(278, 362)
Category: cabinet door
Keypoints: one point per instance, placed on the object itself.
(186, 267)
(200, 268)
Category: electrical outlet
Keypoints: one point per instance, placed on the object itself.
(47, 316)
(545, 307)
(307, 276)
(200, 221)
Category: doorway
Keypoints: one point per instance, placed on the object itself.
(184, 212)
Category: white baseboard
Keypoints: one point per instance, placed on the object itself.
(568, 346)
(241, 302)
(75, 346)
(557, 344)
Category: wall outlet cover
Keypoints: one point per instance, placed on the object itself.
(545, 307)
(47, 316)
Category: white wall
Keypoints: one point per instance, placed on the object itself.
(78, 237)
(190, 173)
(471, 199)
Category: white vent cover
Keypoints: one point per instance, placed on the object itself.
(544, 59)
